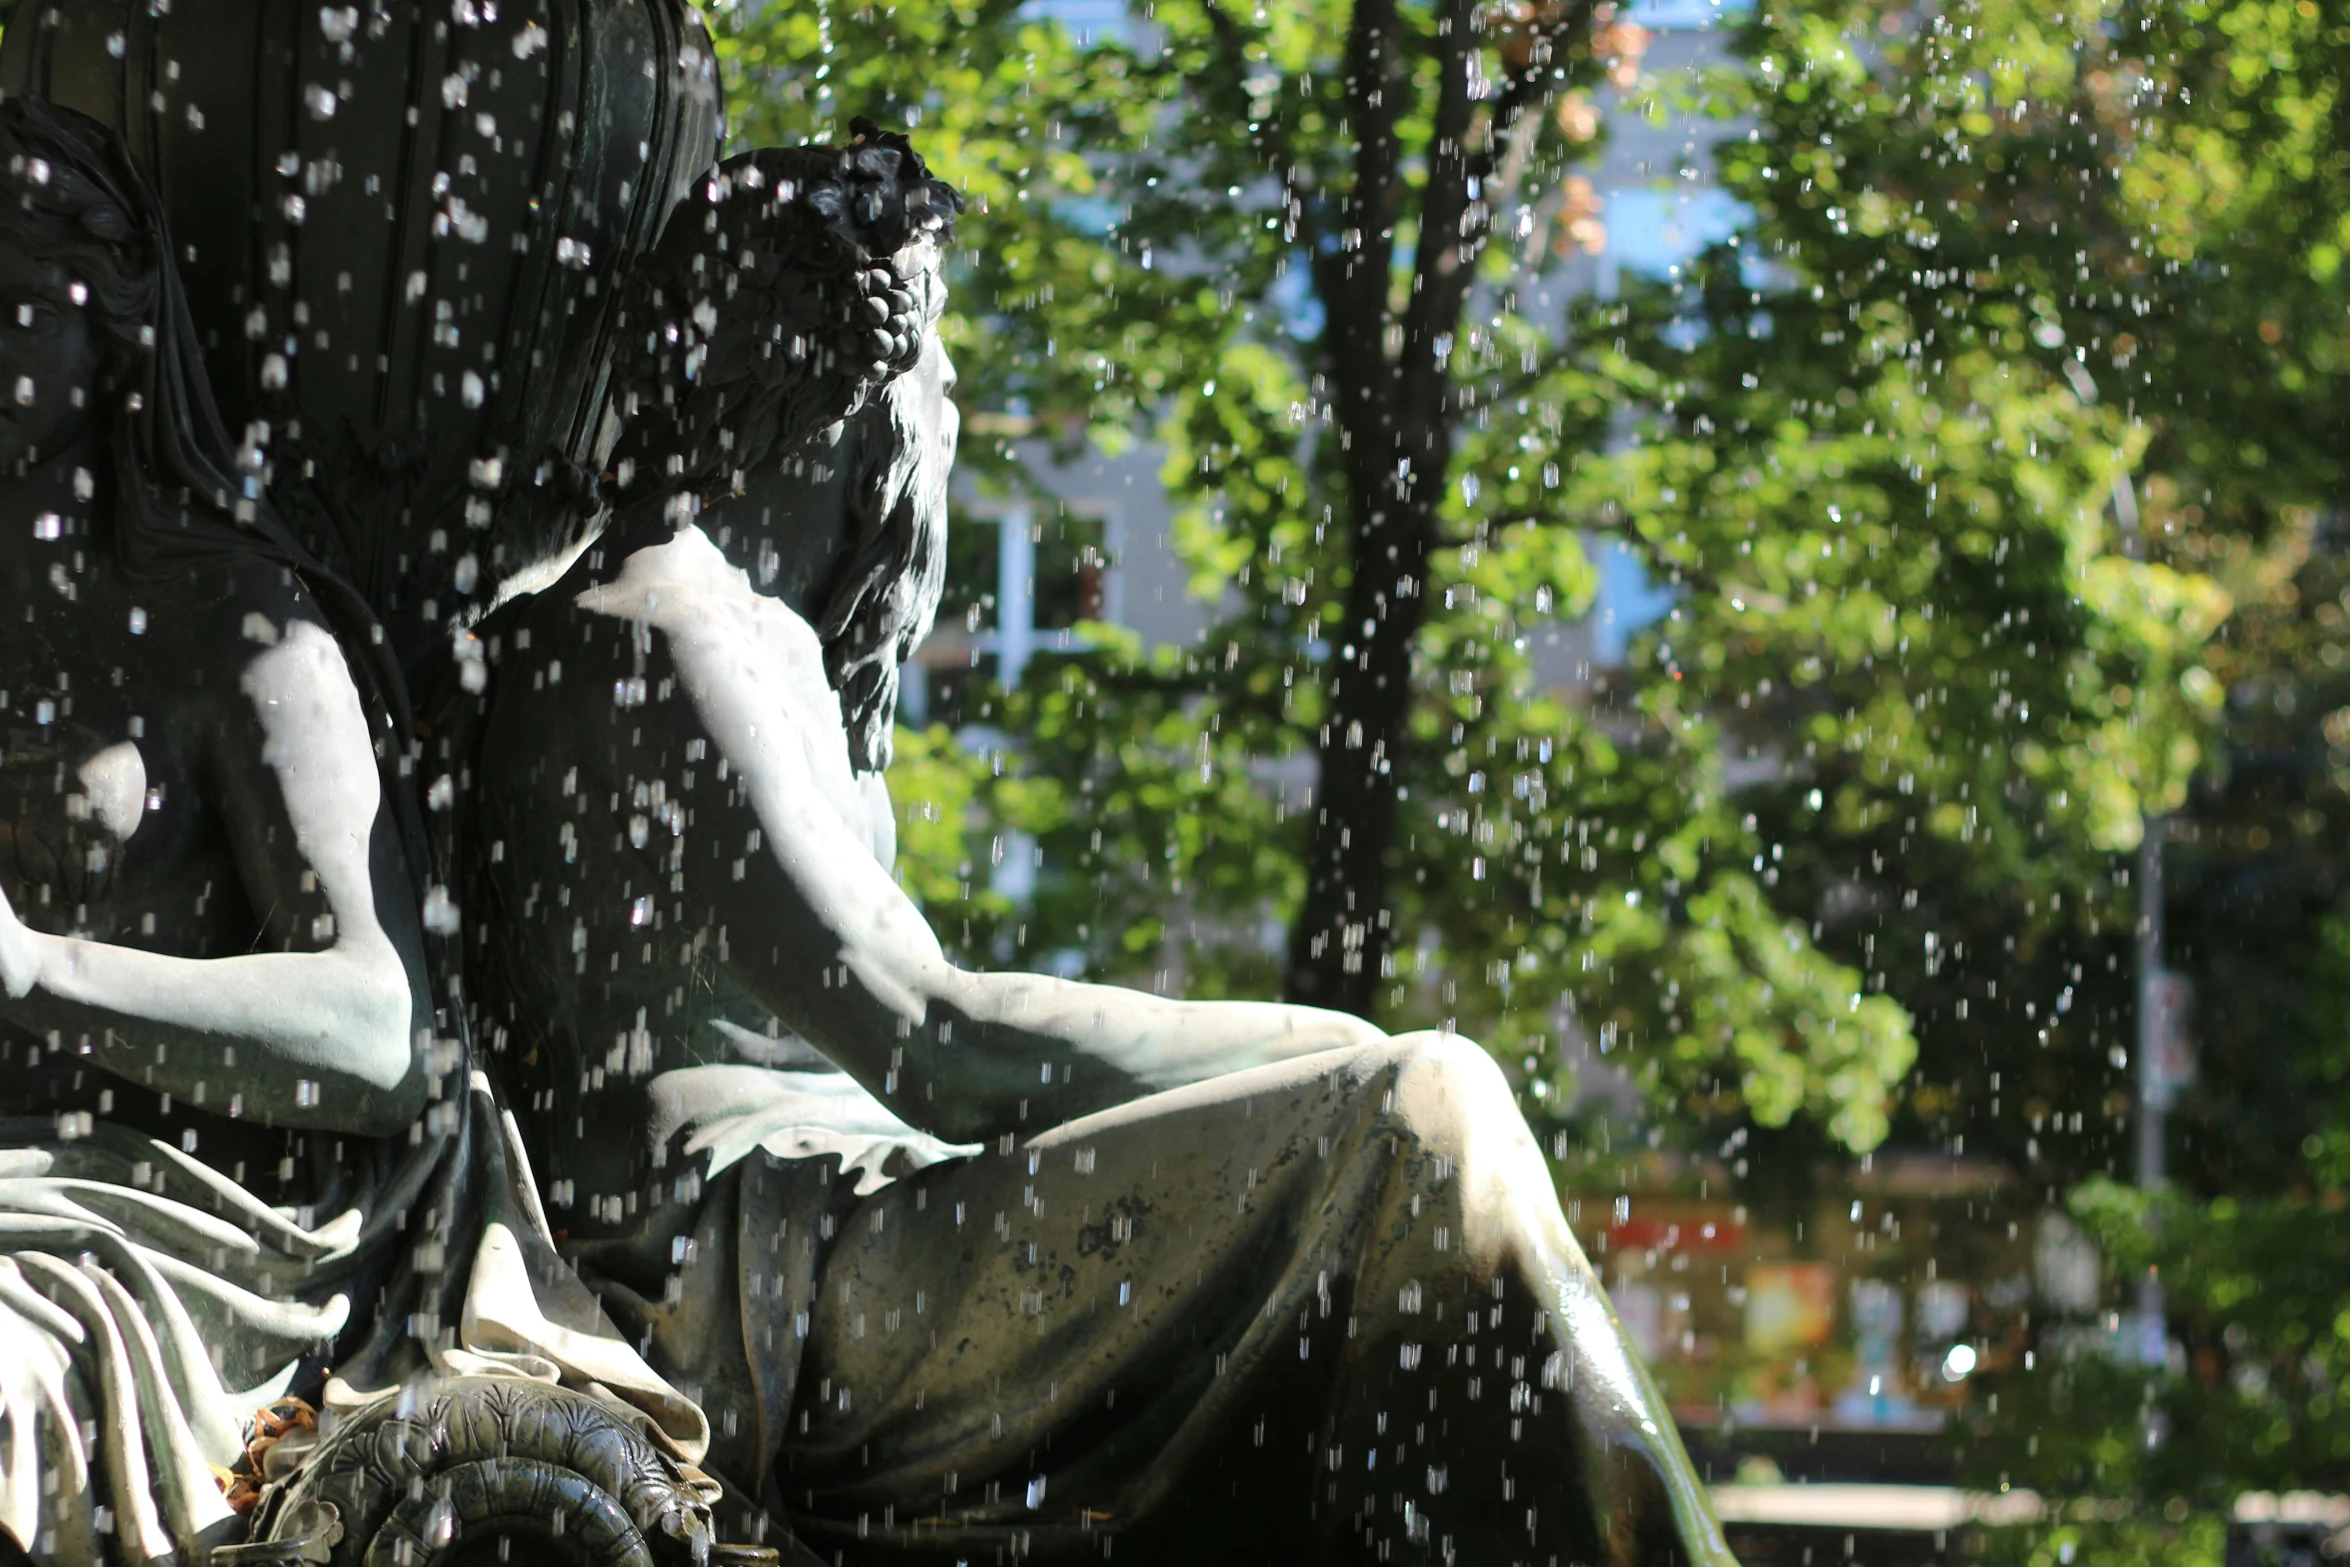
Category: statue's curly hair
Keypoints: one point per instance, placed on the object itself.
(75, 200)
(793, 285)
(885, 590)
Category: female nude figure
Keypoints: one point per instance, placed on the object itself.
(213, 1021)
(1223, 1281)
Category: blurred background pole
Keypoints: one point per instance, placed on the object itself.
(2153, 1090)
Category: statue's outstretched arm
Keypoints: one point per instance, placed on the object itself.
(821, 934)
(319, 1037)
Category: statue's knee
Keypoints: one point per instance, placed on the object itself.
(1450, 1094)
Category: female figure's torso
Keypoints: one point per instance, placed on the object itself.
(121, 727)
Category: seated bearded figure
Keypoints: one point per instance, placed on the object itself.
(965, 1263)
(211, 989)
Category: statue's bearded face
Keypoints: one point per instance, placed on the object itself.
(49, 359)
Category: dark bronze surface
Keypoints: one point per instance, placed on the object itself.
(276, 939)
(401, 234)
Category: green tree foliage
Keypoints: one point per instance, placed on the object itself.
(2091, 202)
(1298, 246)
(1862, 532)
(2108, 238)
(1889, 446)
(1996, 466)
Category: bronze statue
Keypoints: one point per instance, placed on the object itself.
(1217, 1277)
(241, 1157)
(423, 1120)
(218, 1023)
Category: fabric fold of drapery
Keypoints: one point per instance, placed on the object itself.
(1324, 1311)
(716, 1275)
(151, 1302)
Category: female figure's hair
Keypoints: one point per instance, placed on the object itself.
(794, 284)
(69, 192)
(173, 496)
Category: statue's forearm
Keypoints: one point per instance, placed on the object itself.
(825, 938)
(966, 1055)
(1149, 1041)
(997, 1053)
(301, 1039)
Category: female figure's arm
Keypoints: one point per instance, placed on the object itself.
(324, 1037)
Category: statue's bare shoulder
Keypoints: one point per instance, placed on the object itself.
(711, 650)
(685, 587)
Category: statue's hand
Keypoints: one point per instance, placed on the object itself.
(20, 953)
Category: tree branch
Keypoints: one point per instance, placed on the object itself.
(1455, 225)
(1353, 278)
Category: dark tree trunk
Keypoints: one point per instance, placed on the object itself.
(1344, 931)
(1396, 410)
(1396, 446)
